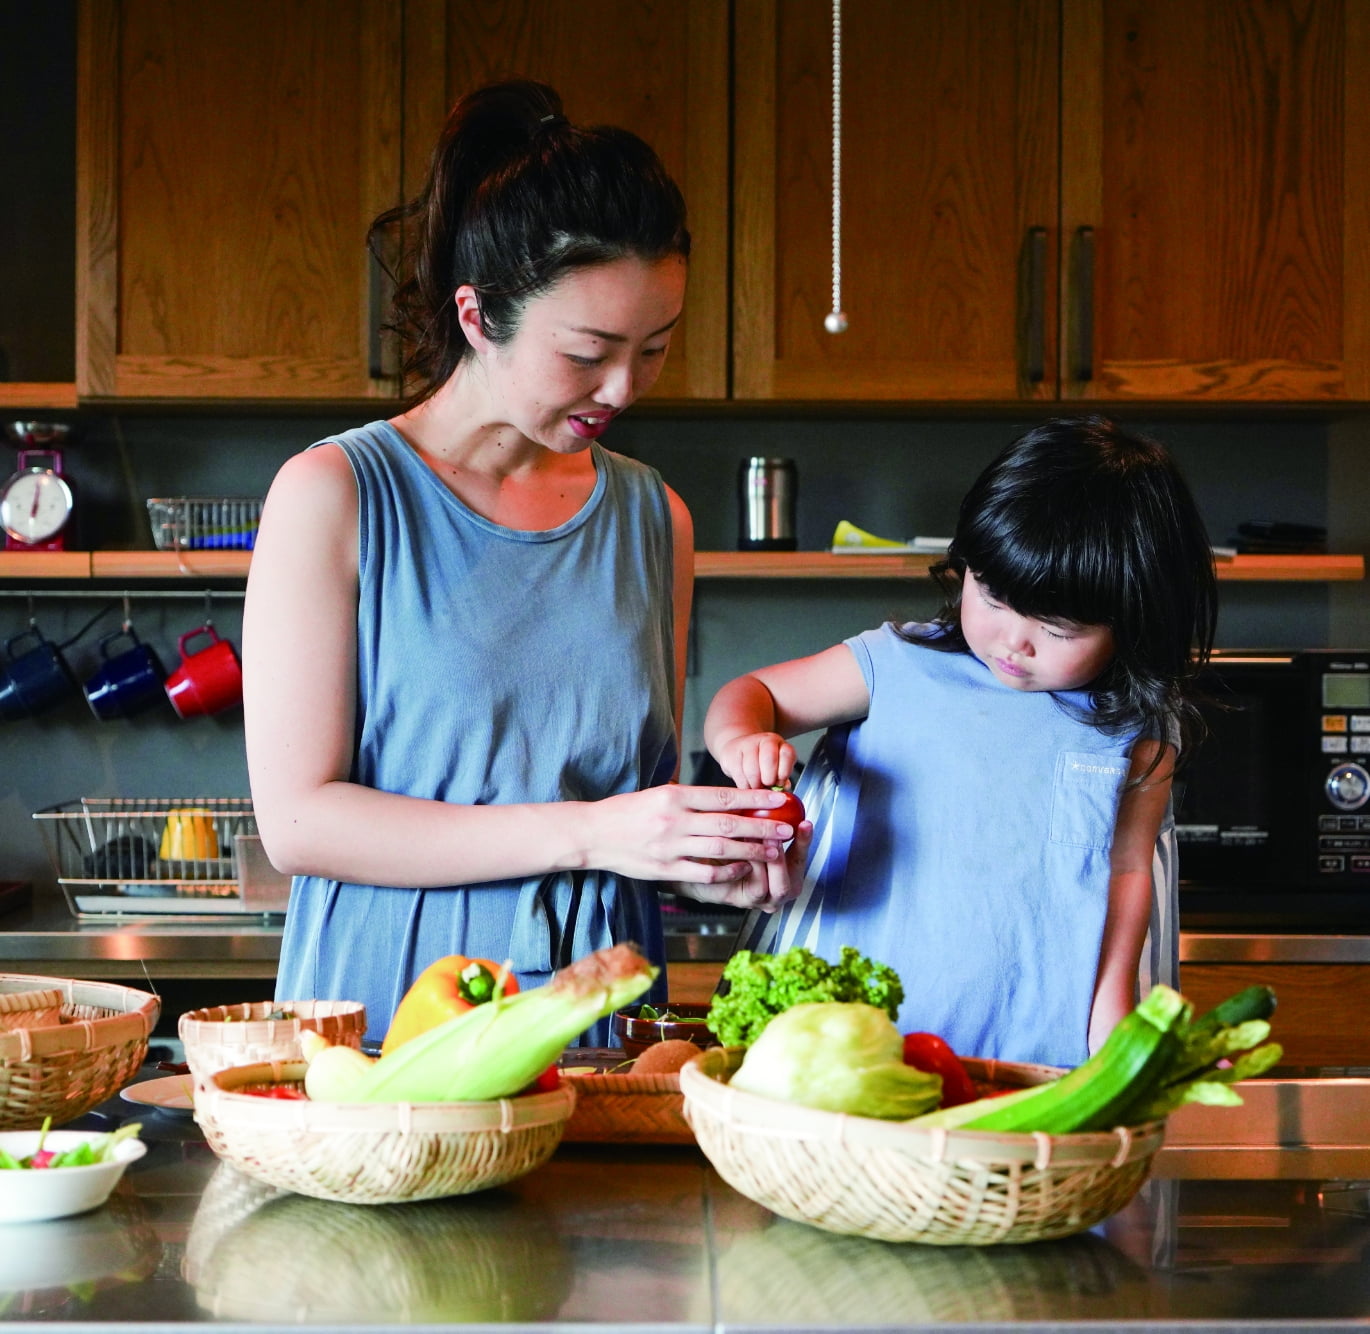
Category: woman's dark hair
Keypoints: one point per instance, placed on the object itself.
(516, 197)
(1083, 522)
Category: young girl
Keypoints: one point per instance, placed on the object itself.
(991, 800)
(464, 636)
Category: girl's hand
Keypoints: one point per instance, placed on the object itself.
(768, 885)
(692, 834)
(756, 759)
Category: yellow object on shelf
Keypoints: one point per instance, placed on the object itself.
(848, 539)
(189, 835)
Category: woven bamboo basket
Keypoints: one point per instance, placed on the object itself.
(31, 1007)
(629, 1109)
(222, 1036)
(894, 1182)
(375, 1153)
(64, 1069)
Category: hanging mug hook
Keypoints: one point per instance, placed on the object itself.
(209, 608)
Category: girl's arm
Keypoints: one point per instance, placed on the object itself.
(299, 695)
(1129, 889)
(750, 717)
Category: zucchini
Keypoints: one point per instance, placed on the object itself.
(1256, 1002)
(1132, 1061)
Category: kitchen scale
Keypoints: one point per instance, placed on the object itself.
(37, 502)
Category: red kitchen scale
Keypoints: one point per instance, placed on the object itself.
(37, 503)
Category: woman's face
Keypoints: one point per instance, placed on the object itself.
(1028, 654)
(584, 350)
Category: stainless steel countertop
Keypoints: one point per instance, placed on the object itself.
(609, 1237)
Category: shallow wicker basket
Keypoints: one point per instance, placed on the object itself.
(629, 1109)
(888, 1180)
(375, 1153)
(222, 1036)
(30, 1007)
(64, 1069)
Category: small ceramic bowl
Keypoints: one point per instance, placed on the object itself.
(635, 1035)
(32, 1195)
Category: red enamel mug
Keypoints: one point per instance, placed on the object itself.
(208, 680)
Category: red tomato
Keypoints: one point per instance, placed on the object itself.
(279, 1091)
(549, 1081)
(790, 811)
(928, 1053)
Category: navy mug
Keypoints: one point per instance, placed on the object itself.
(126, 682)
(35, 679)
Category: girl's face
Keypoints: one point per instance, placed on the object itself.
(1027, 654)
(584, 350)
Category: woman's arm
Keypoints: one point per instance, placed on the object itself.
(750, 717)
(1129, 888)
(299, 695)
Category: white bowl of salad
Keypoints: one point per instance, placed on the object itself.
(55, 1173)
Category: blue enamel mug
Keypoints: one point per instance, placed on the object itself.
(126, 682)
(34, 679)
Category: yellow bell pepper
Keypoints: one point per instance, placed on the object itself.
(448, 987)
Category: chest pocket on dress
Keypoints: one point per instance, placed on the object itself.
(1084, 798)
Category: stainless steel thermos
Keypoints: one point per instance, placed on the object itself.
(766, 499)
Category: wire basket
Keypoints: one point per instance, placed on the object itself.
(189, 523)
(380, 1152)
(896, 1182)
(148, 854)
(64, 1069)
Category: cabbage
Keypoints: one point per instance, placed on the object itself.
(840, 1056)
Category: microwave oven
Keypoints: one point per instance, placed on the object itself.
(1272, 809)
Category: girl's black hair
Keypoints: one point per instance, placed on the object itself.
(516, 197)
(1081, 521)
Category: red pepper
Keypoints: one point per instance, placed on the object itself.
(930, 1054)
(279, 1091)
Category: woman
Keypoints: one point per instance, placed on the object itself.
(465, 626)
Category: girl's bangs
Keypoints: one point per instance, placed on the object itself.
(1053, 580)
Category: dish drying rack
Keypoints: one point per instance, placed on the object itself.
(194, 523)
(108, 853)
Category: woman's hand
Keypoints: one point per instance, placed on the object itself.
(693, 834)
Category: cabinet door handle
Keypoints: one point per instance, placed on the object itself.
(1035, 306)
(1084, 304)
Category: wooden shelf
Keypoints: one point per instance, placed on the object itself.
(25, 394)
(808, 565)
(825, 565)
(139, 565)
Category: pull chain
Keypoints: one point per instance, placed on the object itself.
(835, 322)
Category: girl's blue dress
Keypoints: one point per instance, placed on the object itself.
(963, 833)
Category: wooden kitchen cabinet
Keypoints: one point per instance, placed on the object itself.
(1320, 1008)
(949, 200)
(1216, 162)
(230, 158)
(1161, 200)
(657, 67)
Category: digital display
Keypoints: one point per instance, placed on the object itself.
(1346, 692)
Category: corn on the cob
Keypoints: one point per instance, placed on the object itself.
(495, 1049)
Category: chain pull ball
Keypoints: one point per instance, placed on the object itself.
(835, 322)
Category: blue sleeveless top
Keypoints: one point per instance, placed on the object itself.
(965, 839)
(495, 666)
